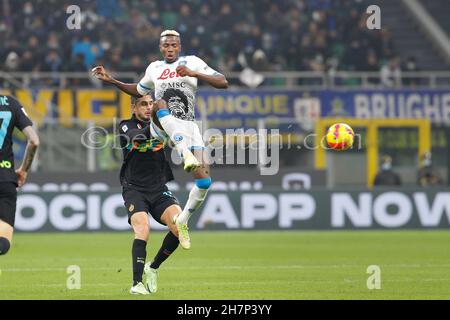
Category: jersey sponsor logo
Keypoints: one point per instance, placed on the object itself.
(4, 101)
(5, 164)
(173, 85)
(167, 74)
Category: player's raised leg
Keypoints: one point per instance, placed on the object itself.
(169, 245)
(140, 224)
(172, 128)
(197, 195)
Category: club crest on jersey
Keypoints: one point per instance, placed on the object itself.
(139, 126)
(131, 208)
(182, 63)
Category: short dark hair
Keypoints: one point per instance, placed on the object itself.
(135, 100)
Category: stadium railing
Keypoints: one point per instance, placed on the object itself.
(279, 80)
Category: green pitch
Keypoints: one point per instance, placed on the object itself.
(235, 265)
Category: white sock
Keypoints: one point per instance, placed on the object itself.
(172, 130)
(196, 198)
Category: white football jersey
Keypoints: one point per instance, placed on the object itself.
(179, 92)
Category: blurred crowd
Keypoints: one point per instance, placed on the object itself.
(123, 35)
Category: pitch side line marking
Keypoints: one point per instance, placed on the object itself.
(235, 267)
(59, 285)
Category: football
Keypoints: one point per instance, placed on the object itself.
(340, 137)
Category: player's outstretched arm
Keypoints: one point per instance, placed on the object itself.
(217, 80)
(129, 88)
(30, 152)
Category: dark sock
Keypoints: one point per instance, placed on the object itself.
(139, 254)
(169, 245)
(4, 245)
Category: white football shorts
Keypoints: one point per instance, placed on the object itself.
(187, 130)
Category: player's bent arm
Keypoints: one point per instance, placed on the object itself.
(218, 80)
(135, 89)
(32, 146)
(128, 88)
(30, 152)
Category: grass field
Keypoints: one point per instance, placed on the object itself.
(235, 265)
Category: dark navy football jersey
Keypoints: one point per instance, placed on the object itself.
(12, 115)
(145, 166)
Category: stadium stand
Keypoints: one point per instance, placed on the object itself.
(322, 30)
(439, 10)
(409, 41)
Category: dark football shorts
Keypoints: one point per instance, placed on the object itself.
(154, 203)
(8, 200)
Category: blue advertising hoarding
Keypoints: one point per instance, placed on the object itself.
(241, 109)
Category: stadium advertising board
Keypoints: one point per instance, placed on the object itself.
(225, 179)
(242, 108)
(264, 210)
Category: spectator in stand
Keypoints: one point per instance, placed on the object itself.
(386, 176)
(27, 62)
(12, 62)
(372, 66)
(90, 51)
(428, 176)
(52, 64)
(78, 65)
(321, 33)
(411, 66)
(391, 74)
(135, 65)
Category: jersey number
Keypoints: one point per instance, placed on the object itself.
(5, 116)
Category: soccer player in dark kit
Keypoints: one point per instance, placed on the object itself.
(12, 115)
(144, 174)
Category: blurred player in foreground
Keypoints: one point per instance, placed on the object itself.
(12, 115)
(174, 80)
(143, 176)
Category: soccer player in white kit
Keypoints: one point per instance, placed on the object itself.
(174, 81)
